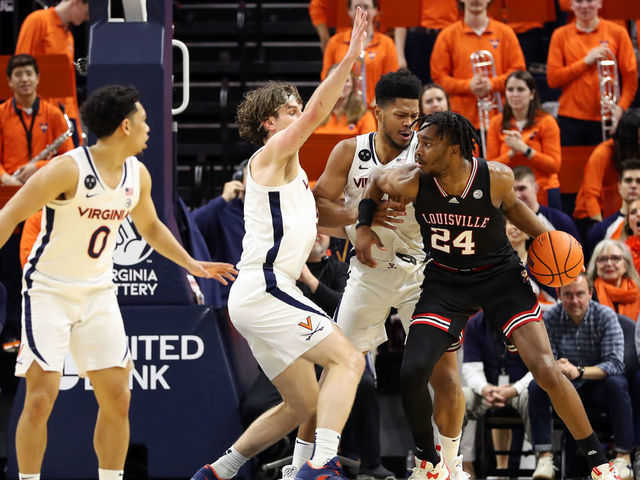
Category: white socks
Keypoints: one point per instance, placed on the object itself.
(229, 463)
(302, 452)
(327, 442)
(110, 474)
(449, 448)
(28, 476)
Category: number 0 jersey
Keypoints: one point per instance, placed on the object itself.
(463, 231)
(78, 235)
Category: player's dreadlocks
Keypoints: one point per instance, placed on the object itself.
(455, 128)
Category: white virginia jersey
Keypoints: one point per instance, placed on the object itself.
(407, 238)
(280, 225)
(78, 235)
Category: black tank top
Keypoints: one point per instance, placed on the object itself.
(466, 231)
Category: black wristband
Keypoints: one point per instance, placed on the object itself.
(366, 211)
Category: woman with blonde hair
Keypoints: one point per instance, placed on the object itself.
(614, 277)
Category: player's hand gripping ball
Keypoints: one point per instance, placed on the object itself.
(555, 259)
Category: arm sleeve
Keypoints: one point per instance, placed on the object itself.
(207, 217)
(494, 142)
(628, 68)
(513, 59)
(473, 373)
(318, 12)
(2, 170)
(612, 344)
(559, 74)
(523, 383)
(442, 67)
(31, 32)
(548, 160)
(591, 187)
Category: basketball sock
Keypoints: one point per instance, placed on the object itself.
(326, 448)
(110, 474)
(229, 463)
(28, 476)
(302, 451)
(591, 448)
(449, 448)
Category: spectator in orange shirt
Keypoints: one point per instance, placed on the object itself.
(318, 11)
(46, 32)
(451, 62)
(433, 98)
(350, 116)
(524, 134)
(572, 65)
(414, 45)
(379, 56)
(27, 123)
(598, 193)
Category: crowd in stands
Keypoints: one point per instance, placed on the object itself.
(585, 320)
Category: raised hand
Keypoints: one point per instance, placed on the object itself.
(358, 35)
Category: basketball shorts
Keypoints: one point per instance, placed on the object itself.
(369, 295)
(503, 292)
(280, 324)
(84, 319)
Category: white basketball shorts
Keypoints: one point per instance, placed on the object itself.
(86, 320)
(280, 324)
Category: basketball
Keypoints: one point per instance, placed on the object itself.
(555, 258)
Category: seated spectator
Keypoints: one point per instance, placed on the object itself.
(414, 46)
(524, 134)
(496, 377)
(323, 278)
(527, 191)
(451, 58)
(221, 222)
(48, 32)
(574, 52)
(632, 232)
(588, 345)
(379, 56)
(28, 124)
(614, 225)
(350, 116)
(614, 278)
(433, 99)
(598, 195)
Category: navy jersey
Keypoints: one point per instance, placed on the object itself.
(463, 231)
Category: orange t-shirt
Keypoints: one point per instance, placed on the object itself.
(522, 27)
(598, 193)
(42, 33)
(543, 136)
(451, 62)
(338, 125)
(566, 69)
(380, 57)
(30, 232)
(440, 14)
(47, 126)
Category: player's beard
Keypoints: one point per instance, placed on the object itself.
(393, 143)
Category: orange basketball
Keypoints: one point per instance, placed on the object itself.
(555, 258)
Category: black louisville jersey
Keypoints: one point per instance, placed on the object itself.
(463, 231)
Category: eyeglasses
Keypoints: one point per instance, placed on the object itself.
(604, 259)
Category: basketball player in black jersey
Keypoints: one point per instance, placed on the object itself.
(461, 204)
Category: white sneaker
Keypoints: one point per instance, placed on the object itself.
(545, 468)
(624, 468)
(289, 472)
(610, 471)
(426, 471)
(455, 469)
